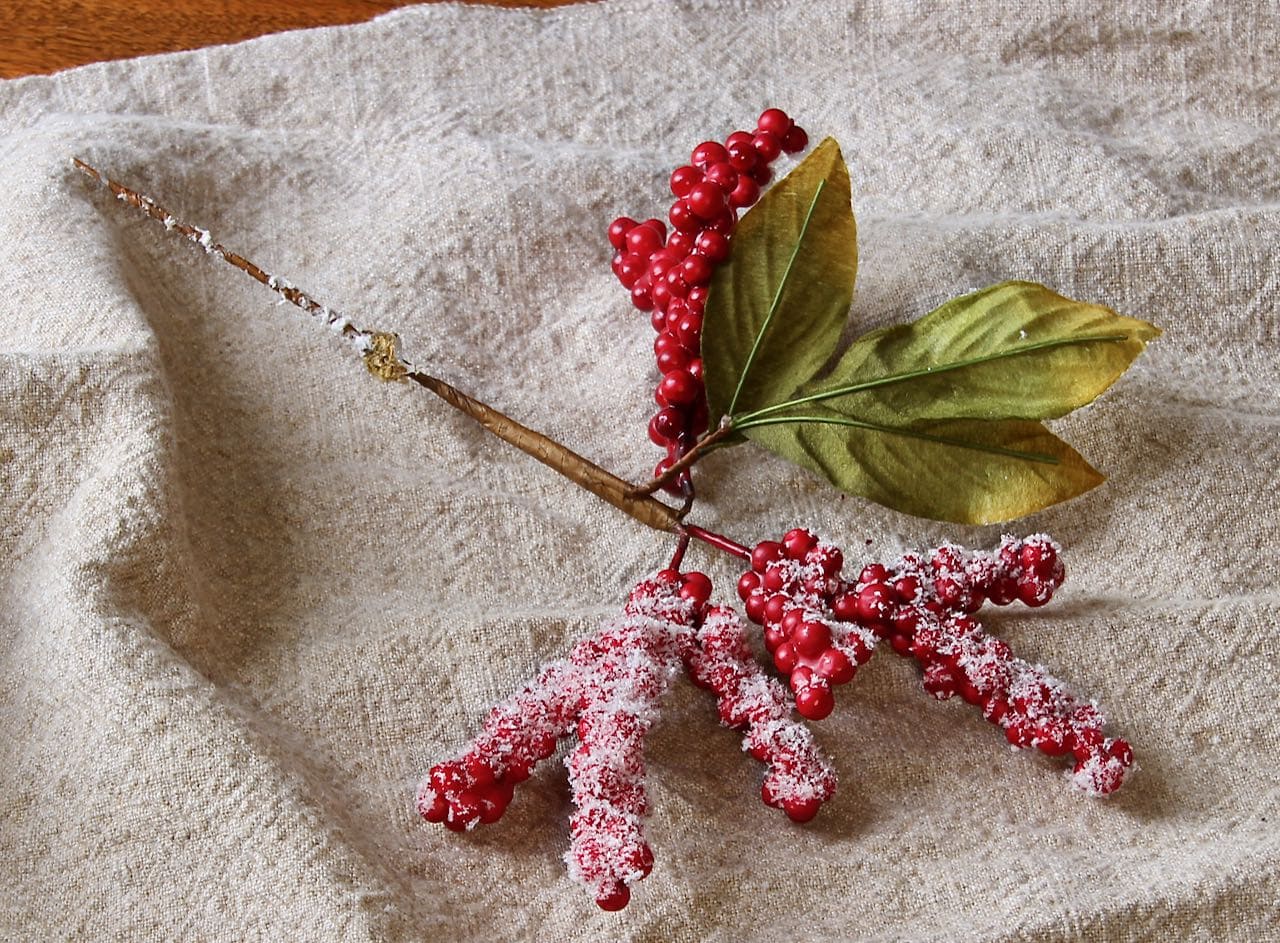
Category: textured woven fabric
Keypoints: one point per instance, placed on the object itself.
(248, 593)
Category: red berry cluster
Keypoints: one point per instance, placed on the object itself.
(794, 590)
(820, 628)
(608, 692)
(669, 275)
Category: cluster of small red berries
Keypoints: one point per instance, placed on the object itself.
(809, 615)
(668, 275)
(820, 628)
(608, 691)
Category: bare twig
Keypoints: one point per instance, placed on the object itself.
(380, 354)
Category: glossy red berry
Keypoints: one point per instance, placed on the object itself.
(615, 898)
(775, 121)
(708, 152)
(765, 553)
(682, 218)
(696, 587)
(706, 200)
(643, 241)
(678, 388)
(815, 702)
(795, 141)
(767, 145)
(723, 176)
(696, 270)
(683, 179)
(797, 543)
(713, 245)
(618, 230)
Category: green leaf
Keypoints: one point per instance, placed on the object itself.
(968, 471)
(776, 309)
(1012, 351)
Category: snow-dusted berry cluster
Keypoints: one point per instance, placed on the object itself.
(820, 628)
(669, 275)
(608, 691)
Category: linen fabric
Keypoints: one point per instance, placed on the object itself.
(249, 593)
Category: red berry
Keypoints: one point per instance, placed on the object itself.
(708, 152)
(845, 607)
(629, 268)
(875, 602)
(835, 666)
(640, 296)
(676, 285)
(680, 244)
(713, 245)
(697, 295)
(673, 358)
(873, 573)
(723, 176)
(666, 425)
(696, 588)
(797, 543)
(775, 608)
(683, 179)
(795, 141)
(664, 341)
(695, 371)
(706, 200)
(811, 639)
(742, 156)
(696, 269)
(775, 121)
(618, 230)
(761, 173)
(747, 584)
(736, 139)
(643, 241)
(689, 330)
(767, 145)
(786, 657)
(765, 553)
(801, 810)
(815, 702)
(657, 226)
(615, 898)
(754, 607)
(683, 218)
(679, 388)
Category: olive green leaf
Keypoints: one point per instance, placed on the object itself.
(1012, 351)
(775, 310)
(969, 471)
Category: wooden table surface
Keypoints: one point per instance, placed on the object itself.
(39, 36)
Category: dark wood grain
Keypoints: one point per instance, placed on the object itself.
(38, 36)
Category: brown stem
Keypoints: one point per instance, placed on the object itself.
(550, 452)
(700, 448)
(381, 357)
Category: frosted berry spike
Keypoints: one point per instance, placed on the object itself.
(800, 777)
(819, 629)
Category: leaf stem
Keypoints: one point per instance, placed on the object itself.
(704, 445)
(925, 371)
(777, 298)
(898, 430)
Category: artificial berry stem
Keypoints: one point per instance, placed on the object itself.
(381, 357)
(673, 471)
(719, 541)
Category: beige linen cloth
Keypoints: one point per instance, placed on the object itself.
(249, 593)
